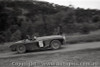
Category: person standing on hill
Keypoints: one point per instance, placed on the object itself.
(59, 30)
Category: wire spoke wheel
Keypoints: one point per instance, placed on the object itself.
(21, 49)
(55, 44)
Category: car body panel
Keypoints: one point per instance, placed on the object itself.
(50, 37)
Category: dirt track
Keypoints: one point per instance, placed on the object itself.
(64, 48)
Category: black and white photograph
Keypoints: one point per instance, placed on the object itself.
(49, 33)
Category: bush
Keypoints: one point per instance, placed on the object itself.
(16, 36)
(2, 39)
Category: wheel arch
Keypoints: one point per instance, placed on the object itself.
(61, 40)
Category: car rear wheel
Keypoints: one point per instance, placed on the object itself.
(55, 44)
(21, 49)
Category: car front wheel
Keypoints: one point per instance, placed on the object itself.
(21, 49)
(55, 44)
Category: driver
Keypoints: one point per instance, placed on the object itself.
(31, 38)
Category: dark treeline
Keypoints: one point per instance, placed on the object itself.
(21, 18)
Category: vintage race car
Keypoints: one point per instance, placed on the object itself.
(52, 42)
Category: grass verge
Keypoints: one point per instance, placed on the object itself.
(82, 58)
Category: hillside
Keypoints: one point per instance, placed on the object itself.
(21, 18)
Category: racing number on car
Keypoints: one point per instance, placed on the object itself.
(41, 43)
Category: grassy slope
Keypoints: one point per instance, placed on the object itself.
(85, 58)
(4, 47)
(93, 36)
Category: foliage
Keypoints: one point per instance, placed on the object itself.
(21, 18)
(16, 36)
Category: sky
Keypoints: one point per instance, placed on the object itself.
(92, 4)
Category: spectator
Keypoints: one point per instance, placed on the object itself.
(59, 29)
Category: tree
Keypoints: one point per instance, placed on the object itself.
(16, 36)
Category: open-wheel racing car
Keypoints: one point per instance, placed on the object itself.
(52, 42)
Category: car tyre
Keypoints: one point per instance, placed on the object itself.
(55, 44)
(21, 49)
